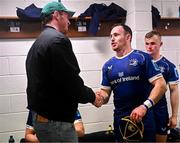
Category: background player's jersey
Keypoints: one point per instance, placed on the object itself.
(29, 123)
(128, 77)
(170, 74)
(78, 117)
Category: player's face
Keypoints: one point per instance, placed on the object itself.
(153, 45)
(118, 38)
(63, 21)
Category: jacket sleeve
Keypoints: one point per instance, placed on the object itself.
(66, 72)
(89, 95)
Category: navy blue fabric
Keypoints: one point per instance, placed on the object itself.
(30, 13)
(102, 11)
(93, 11)
(30, 119)
(155, 16)
(113, 12)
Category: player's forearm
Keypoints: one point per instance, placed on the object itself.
(158, 90)
(174, 98)
(31, 138)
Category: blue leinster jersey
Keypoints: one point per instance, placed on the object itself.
(129, 78)
(170, 74)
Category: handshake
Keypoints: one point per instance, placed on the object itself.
(101, 98)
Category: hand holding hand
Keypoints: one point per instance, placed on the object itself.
(99, 100)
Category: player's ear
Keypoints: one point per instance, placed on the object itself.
(128, 36)
(55, 13)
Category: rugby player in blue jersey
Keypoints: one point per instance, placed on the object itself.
(129, 74)
(153, 44)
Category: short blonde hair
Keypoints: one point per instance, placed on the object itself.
(152, 33)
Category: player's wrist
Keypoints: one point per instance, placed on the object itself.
(144, 106)
(148, 104)
(174, 115)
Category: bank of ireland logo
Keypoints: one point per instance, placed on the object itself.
(133, 62)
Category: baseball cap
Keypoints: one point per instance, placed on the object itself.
(55, 6)
(131, 131)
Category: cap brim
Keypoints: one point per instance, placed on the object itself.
(71, 13)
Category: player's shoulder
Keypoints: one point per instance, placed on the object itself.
(110, 61)
(164, 59)
(142, 53)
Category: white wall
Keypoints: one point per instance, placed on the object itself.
(90, 52)
(167, 8)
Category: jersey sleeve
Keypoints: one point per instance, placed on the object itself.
(65, 67)
(105, 82)
(173, 76)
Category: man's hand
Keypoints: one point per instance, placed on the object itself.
(172, 122)
(138, 113)
(99, 100)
